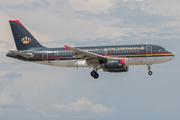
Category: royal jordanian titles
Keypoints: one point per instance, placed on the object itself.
(109, 58)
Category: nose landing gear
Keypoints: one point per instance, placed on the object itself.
(150, 73)
(149, 68)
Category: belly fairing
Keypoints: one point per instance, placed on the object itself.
(65, 63)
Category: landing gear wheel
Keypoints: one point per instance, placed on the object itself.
(94, 74)
(150, 73)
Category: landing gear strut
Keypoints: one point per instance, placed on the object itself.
(149, 68)
(95, 74)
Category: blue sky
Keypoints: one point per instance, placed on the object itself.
(32, 91)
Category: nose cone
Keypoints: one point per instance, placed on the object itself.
(172, 56)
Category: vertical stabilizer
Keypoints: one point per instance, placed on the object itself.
(23, 39)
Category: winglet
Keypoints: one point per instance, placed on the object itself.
(67, 47)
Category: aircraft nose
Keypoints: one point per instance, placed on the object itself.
(173, 56)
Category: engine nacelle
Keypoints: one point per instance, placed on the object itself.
(115, 65)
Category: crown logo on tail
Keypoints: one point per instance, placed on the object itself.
(26, 40)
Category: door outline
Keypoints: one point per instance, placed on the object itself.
(148, 50)
(45, 55)
(105, 52)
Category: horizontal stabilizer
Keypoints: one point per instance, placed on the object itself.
(26, 55)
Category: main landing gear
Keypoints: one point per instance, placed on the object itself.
(149, 68)
(95, 74)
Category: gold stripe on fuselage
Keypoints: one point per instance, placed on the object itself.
(137, 55)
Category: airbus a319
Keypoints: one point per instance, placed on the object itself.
(112, 59)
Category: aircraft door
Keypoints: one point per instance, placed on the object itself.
(45, 55)
(149, 50)
(105, 52)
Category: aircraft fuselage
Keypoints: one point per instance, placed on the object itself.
(136, 55)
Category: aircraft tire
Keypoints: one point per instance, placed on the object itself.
(94, 74)
(150, 72)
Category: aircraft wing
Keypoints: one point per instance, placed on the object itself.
(85, 55)
(26, 55)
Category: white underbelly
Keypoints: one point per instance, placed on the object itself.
(149, 60)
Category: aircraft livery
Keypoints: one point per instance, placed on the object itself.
(109, 58)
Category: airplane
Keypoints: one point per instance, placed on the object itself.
(113, 59)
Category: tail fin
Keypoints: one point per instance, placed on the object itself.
(23, 39)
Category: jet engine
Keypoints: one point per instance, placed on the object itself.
(115, 65)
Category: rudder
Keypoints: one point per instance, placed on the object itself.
(22, 37)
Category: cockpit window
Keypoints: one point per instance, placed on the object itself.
(165, 50)
(162, 50)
